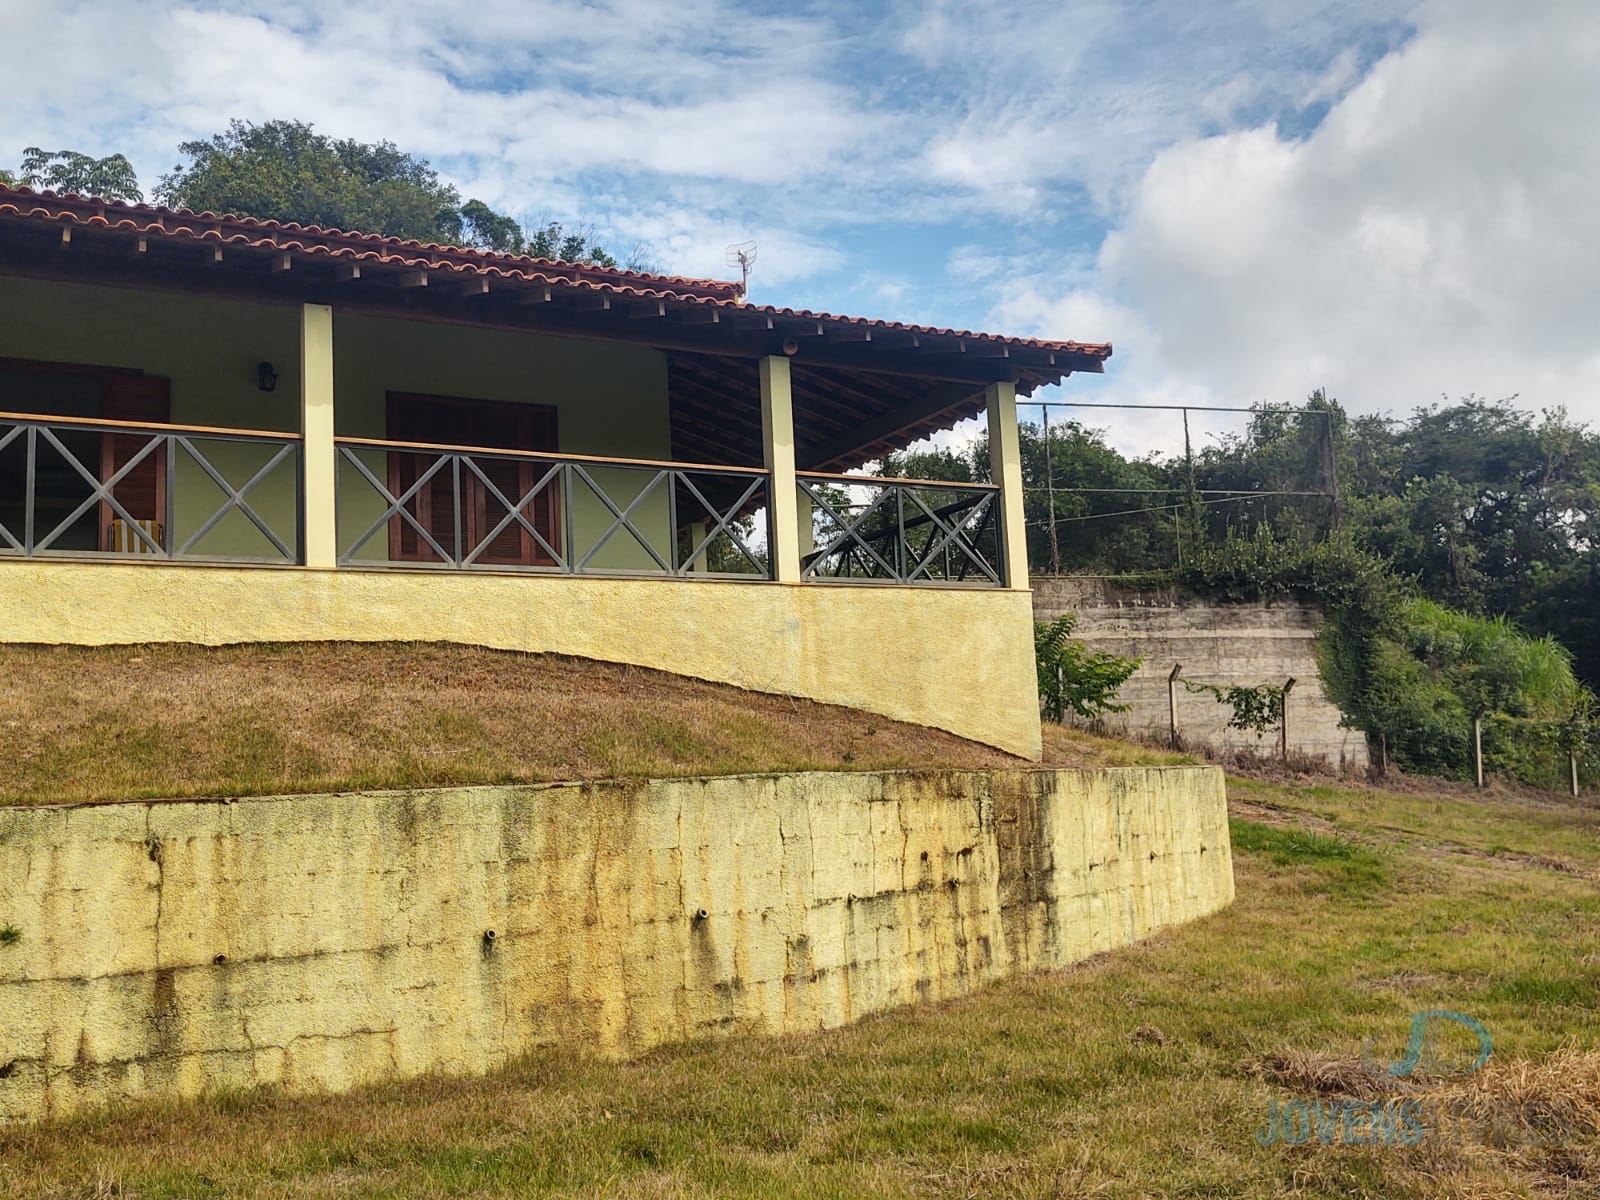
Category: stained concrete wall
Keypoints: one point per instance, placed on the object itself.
(1230, 644)
(322, 942)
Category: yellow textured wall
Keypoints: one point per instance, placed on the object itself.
(953, 658)
(322, 942)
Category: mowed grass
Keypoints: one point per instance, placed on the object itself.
(1141, 1073)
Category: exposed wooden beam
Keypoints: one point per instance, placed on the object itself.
(411, 279)
(66, 236)
(849, 333)
(476, 285)
(213, 255)
(652, 308)
(700, 315)
(347, 272)
(534, 295)
(141, 245)
(587, 302)
(281, 262)
(936, 400)
(794, 328)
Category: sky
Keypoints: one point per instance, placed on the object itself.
(1395, 200)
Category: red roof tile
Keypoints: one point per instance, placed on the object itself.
(354, 247)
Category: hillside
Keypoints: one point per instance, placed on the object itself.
(1150, 1071)
(136, 722)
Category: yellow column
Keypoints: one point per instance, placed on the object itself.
(777, 438)
(1005, 468)
(321, 547)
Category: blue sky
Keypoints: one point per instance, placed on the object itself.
(1250, 198)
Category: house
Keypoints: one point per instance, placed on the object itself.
(221, 430)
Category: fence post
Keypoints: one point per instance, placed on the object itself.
(1572, 761)
(1172, 705)
(1283, 720)
(1477, 746)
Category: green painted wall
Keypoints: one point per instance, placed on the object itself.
(209, 350)
(611, 398)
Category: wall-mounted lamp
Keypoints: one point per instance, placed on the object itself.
(266, 377)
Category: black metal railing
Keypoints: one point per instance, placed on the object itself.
(902, 530)
(460, 507)
(74, 487)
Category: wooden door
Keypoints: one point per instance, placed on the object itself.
(489, 425)
(143, 490)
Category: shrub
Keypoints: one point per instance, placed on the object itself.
(1074, 679)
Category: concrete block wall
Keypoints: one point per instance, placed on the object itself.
(322, 942)
(1229, 644)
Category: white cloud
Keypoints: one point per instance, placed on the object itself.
(1437, 233)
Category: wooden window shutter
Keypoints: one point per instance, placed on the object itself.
(490, 425)
(143, 491)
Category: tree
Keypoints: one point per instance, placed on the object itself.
(110, 178)
(287, 171)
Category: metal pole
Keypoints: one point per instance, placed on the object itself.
(1050, 493)
(1477, 746)
(1172, 705)
(1283, 720)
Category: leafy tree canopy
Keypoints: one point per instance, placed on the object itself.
(111, 178)
(287, 171)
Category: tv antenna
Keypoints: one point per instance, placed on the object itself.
(743, 256)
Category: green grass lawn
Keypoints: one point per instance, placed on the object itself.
(1145, 1072)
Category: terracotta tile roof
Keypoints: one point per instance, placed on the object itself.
(339, 244)
(314, 242)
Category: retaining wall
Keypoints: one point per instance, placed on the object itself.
(1228, 644)
(322, 942)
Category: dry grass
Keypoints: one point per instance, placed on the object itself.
(1140, 1073)
(144, 722)
(171, 721)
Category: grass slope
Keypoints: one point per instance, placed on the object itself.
(159, 722)
(172, 721)
(1141, 1073)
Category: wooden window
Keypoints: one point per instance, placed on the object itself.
(143, 490)
(79, 390)
(491, 425)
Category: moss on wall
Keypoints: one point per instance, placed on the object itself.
(327, 941)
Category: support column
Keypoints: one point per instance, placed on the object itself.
(1005, 469)
(320, 545)
(777, 439)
